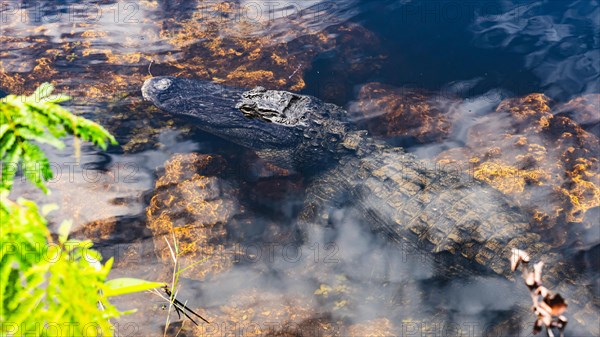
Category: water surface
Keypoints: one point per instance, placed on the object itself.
(465, 57)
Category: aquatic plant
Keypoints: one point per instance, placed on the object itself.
(170, 292)
(49, 284)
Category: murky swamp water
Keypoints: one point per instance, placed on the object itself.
(506, 91)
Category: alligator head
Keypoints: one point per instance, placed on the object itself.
(280, 107)
(290, 130)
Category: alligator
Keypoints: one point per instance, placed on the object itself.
(437, 210)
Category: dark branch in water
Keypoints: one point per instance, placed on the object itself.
(180, 307)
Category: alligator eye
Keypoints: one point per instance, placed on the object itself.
(162, 84)
(247, 110)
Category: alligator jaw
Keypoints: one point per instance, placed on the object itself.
(169, 93)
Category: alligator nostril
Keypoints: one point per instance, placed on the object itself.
(162, 84)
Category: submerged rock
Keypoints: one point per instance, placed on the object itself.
(402, 112)
(380, 327)
(192, 205)
(547, 162)
(265, 313)
(212, 217)
(585, 111)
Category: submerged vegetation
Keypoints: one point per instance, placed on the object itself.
(50, 284)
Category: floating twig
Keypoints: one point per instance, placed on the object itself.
(150, 66)
(295, 71)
